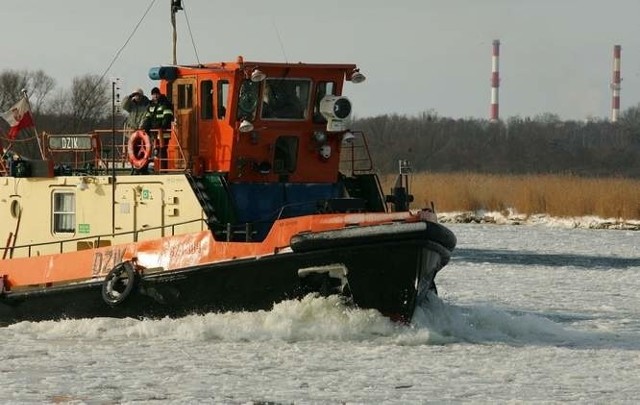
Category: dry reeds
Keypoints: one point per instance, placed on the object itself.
(555, 195)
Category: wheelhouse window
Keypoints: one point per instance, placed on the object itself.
(185, 96)
(285, 99)
(285, 157)
(206, 99)
(223, 96)
(322, 89)
(64, 212)
(248, 99)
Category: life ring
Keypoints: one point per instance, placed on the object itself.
(139, 149)
(119, 283)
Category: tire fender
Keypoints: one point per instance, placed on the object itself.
(119, 283)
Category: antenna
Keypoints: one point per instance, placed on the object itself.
(275, 27)
(115, 107)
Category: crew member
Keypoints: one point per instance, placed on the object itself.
(159, 114)
(136, 105)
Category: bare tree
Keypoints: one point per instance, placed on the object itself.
(39, 86)
(630, 120)
(89, 102)
(11, 84)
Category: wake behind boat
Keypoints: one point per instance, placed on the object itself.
(258, 193)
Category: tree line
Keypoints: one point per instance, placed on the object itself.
(517, 145)
(81, 108)
(544, 144)
(76, 109)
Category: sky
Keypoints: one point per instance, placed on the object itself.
(418, 55)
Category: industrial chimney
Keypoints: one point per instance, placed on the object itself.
(495, 80)
(615, 84)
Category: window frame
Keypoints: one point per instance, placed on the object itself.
(271, 111)
(206, 100)
(185, 96)
(60, 211)
(286, 150)
(222, 104)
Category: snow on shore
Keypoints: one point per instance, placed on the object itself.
(514, 218)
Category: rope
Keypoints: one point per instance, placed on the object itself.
(275, 27)
(16, 140)
(184, 8)
(115, 57)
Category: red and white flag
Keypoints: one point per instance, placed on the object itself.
(19, 117)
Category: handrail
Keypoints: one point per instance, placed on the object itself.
(106, 150)
(96, 157)
(97, 238)
(283, 207)
(356, 156)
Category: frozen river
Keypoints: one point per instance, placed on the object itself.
(525, 313)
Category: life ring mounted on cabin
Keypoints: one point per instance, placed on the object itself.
(119, 283)
(139, 149)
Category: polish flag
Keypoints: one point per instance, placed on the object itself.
(19, 117)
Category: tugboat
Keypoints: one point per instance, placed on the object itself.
(258, 193)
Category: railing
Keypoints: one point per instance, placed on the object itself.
(170, 157)
(88, 153)
(115, 149)
(355, 157)
(96, 239)
(97, 152)
(167, 155)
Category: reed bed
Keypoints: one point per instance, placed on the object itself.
(555, 195)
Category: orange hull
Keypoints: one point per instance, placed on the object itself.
(381, 265)
(171, 253)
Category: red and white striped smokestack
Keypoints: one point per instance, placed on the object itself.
(495, 80)
(615, 84)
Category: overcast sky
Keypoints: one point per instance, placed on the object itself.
(418, 55)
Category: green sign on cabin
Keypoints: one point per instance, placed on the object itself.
(84, 228)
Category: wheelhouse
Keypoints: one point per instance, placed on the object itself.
(258, 122)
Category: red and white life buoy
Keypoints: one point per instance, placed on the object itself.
(139, 149)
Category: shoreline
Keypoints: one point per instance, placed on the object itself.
(512, 218)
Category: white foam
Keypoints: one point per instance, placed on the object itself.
(489, 324)
(311, 318)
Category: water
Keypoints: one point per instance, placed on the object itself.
(525, 313)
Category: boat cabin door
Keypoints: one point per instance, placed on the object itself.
(183, 97)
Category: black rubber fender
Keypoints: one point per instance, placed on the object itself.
(424, 231)
(119, 283)
(442, 235)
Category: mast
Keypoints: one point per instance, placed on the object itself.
(114, 88)
(176, 5)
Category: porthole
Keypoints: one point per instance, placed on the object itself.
(15, 208)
